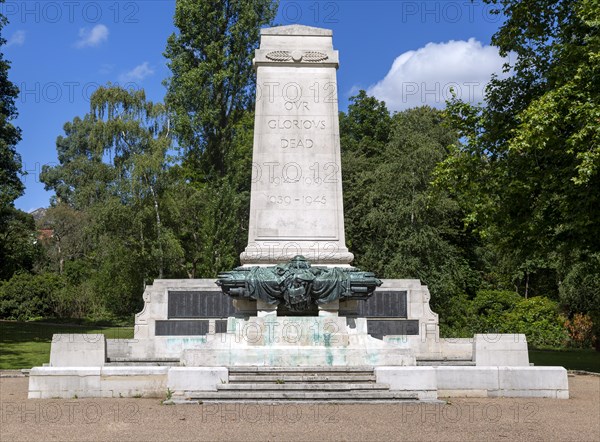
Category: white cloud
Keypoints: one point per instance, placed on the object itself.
(138, 73)
(427, 75)
(92, 37)
(17, 39)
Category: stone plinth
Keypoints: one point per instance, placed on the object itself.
(500, 349)
(295, 341)
(296, 201)
(77, 350)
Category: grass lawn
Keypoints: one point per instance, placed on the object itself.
(588, 360)
(27, 344)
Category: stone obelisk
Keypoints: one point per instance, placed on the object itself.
(296, 203)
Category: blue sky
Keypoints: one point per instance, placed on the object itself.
(407, 53)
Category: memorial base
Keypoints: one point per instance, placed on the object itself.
(296, 341)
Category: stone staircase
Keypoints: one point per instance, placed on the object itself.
(301, 384)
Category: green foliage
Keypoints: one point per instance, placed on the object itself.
(211, 218)
(17, 249)
(396, 225)
(210, 96)
(572, 359)
(490, 307)
(108, 215)
(525, 172)
(82, 179)
(11, 186)
(26, 296)
(457, 318)
(580, 289)
(18, 244)
(539, 319)
(493, 311)
(212, 83)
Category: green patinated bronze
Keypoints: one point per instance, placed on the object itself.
(297, 284)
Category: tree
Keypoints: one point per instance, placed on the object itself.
(82, 179)
(137, 131)
(17, 231)
(113, 172)
(364, 132)
(397, 225)
(11, 186)
(526, 173)
(18, 249)
(210, 97)
(212, 85)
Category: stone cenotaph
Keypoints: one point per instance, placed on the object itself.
(295, 321)
(296, 205)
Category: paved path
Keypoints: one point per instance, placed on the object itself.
(576, 419)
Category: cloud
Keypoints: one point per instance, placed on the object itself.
(106, 68)
(17, 39)
(427, 75)
(92, 37)
(138, 73)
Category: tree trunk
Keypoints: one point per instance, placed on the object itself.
(158, 235)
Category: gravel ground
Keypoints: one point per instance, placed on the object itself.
(576, 419)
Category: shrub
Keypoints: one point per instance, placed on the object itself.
(493, 311)
(79, 302)
(456, 319)
(581, 331)
(489, 308)
(539, 319)
(26, 296)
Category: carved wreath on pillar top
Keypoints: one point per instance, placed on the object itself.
(297, 56)
(297, 284)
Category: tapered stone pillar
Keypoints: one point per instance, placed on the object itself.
(296, 203)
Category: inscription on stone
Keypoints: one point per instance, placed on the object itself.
(199, 304)
(188, 327)
(296, 199)
(378, 328)
(384, 304)
(181, 328)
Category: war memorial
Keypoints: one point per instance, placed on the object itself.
(296, 321)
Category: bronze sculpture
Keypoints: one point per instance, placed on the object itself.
(297, 284)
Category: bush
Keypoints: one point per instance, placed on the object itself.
(457, 317)
(489, 308)
(79, 302)
(539, 319)
(25, 296)
(580, 289)
(493, 311)
(581, 331)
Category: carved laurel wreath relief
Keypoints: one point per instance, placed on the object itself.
(297, 56)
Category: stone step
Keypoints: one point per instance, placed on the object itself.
(301, 378)
(445, 362)
(333, 369)
(224, 395)
(303, 386)
(234, 402)
(143, 364)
